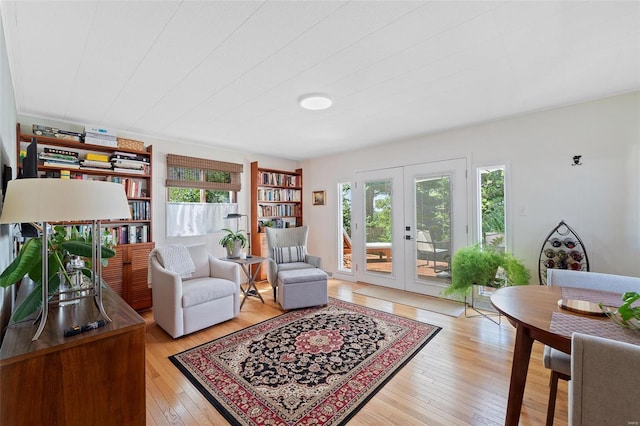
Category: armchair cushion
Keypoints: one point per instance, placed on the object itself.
(202, 290)
(200, 259)
(294, 265)
(289, 254)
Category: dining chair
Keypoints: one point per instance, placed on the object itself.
(557, 361)
(604, 381)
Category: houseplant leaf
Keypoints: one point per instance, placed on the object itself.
(33, 301)
(83, 248)
(23, 264)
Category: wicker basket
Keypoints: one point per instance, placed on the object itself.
(130, 144)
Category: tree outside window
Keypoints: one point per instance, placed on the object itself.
(492, 205)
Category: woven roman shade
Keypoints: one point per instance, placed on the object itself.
(191, 172)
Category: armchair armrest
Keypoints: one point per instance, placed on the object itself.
(272, 271)
(441, 245)
(166, 288)
(314, 260)
(221, 269)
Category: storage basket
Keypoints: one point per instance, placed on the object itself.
(130, 144)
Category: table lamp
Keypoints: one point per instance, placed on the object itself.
(62, 200)
(237, 216)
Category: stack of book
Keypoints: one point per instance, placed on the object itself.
(95, 135)
(126, 162)
(94, 161)
(53, 132)
(54, 157)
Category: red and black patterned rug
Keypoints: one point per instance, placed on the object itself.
(315, 366)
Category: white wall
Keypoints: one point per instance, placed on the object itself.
(599, 200)
(8, 157)
(159, 167)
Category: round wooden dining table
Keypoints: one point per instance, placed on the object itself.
(529, 309)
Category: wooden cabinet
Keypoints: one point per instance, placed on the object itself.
(126, 273)
(96, 377)
(276, 200)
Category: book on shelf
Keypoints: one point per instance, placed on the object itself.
(129, 171)
(129, 164)
(61, 152)
(270, 210)
(128, 234)
(139, 210)
(279, 179)
(96, 164)
(97, 157)
(59, 158)
(134, 188)
(119, 155)
(61, 165)
(269, 195)
(92, 129)
(93, 140)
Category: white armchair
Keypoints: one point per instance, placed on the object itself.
(209, 296)
(557, 361)
(285, 238)
(604, 382)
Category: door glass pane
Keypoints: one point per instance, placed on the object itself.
(378, 235)
(492, 206)
(433, 227)
(344, 260)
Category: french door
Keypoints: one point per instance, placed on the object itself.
(408, 222)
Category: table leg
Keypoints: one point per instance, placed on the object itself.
(519, 368)
(251, 283)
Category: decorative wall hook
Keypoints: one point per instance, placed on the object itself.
(576, 160)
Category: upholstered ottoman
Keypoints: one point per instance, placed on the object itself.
(301, 288)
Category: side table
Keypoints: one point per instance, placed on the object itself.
(251, 290)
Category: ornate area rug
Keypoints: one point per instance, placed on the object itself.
(315, 366)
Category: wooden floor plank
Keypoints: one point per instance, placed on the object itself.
(461, 377)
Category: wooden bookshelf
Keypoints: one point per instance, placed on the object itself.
(276, 200)
(127, 272)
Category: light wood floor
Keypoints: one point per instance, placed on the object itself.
(460, 378)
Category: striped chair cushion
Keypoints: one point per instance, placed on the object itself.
(289, 254)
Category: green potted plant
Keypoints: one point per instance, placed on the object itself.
(476, 265)
(29, 262)
(234, 242)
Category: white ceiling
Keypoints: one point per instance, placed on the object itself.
(229, 73)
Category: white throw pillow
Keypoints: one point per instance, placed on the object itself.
(289, 254)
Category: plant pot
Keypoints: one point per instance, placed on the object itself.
(481, 297)
(235, 251)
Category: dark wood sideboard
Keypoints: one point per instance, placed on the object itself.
(96, 377)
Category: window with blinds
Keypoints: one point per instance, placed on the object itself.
(200, 193)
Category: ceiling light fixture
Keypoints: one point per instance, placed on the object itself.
(315, 102)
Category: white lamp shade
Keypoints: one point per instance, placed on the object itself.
(63, 200)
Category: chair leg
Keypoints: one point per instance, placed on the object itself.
(553, 392)
(274, 294)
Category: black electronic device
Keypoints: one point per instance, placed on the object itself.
(30, 161)
(7, 175)
(77, 329)
(29, 171)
